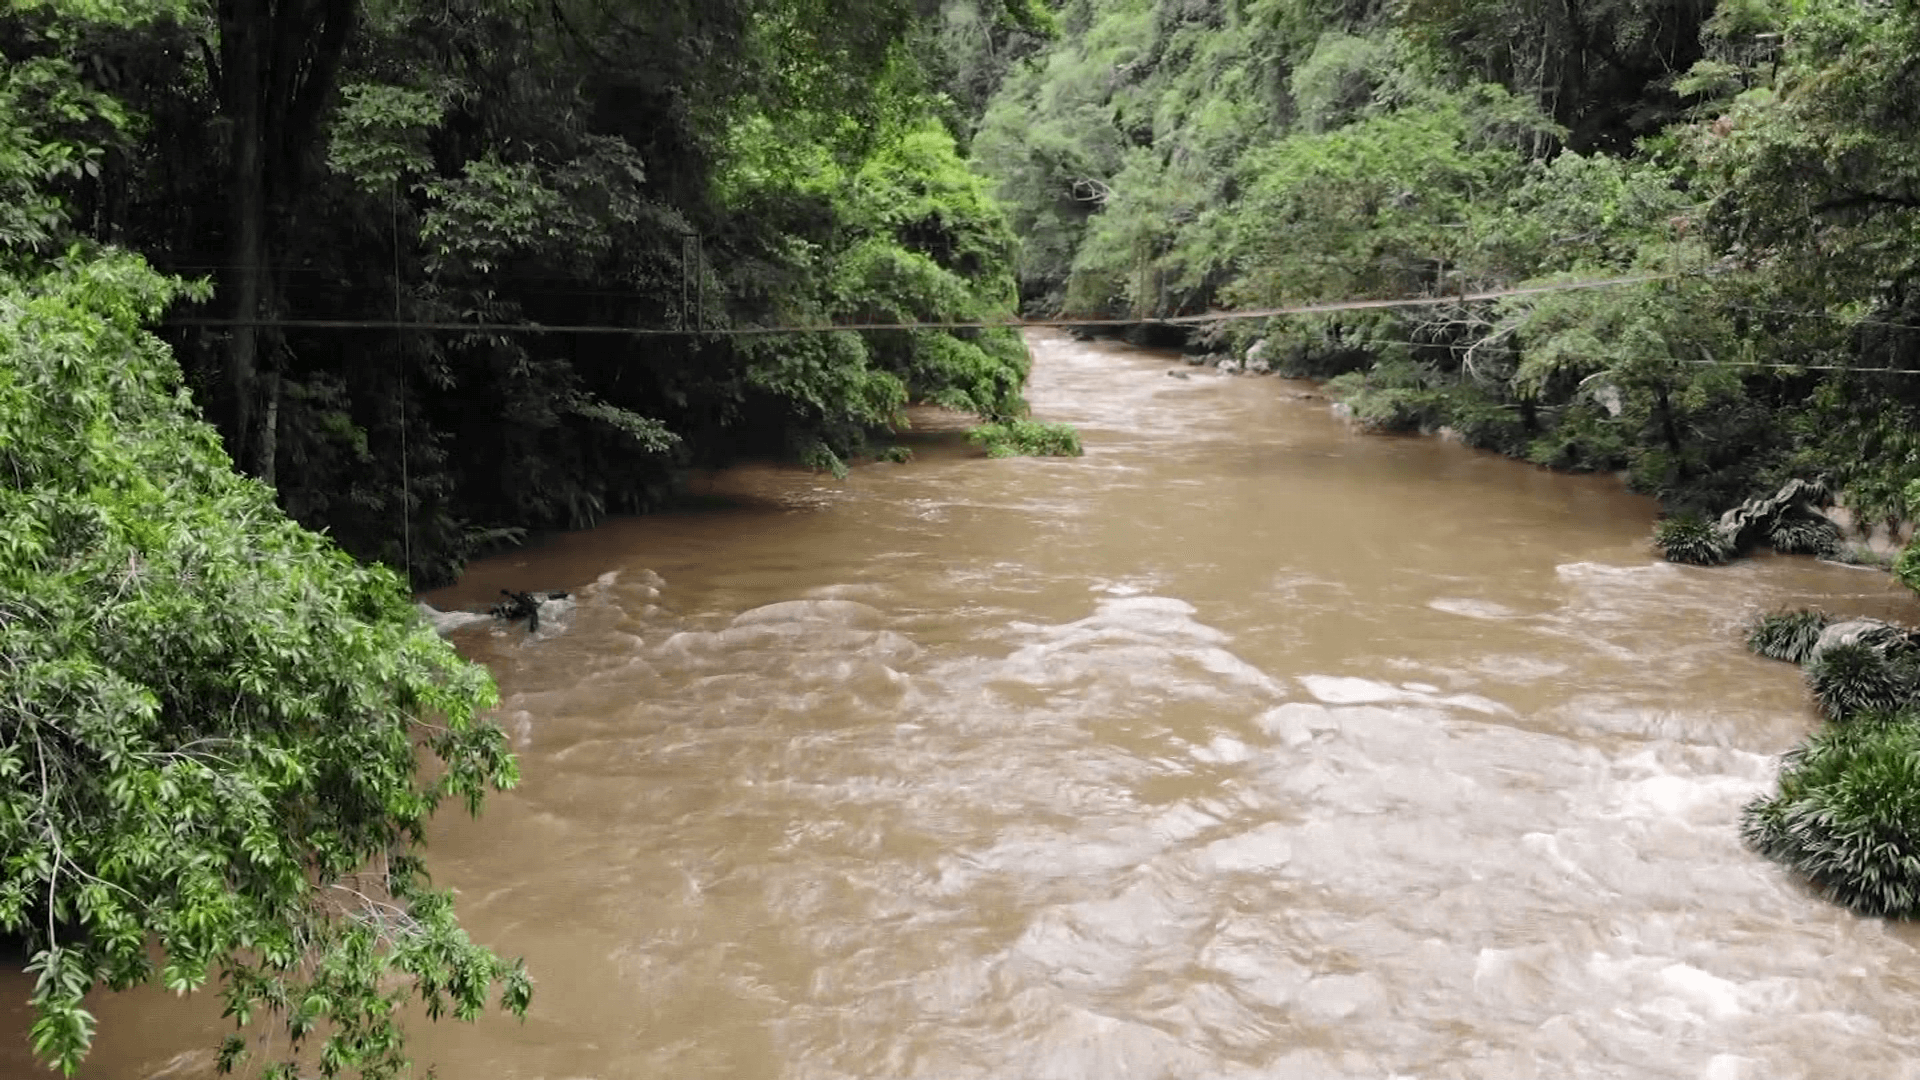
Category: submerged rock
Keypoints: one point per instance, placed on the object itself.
(1873, 633)
(537, 609)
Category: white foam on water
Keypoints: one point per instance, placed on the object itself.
(836, 612)
(446, 622)
(1266, 848)
(1731, 1067)
(1348, 690)
(1718, 997)
(1223, 750)
(1472, 609)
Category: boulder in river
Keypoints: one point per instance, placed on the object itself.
(1755, 519)
(1873, 633)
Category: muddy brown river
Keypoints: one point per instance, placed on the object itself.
(1244, 746)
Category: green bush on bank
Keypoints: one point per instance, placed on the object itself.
(1691, 539)
(1787, 635)
(1804, 534)
(1026, 438)
(1847, 814)
(1855, 679)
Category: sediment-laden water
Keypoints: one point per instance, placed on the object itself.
(1245, 746)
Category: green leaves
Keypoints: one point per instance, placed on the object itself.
(491, 211)
(1846, 814)
(380, 133)
(215, 724)
(1026, 438)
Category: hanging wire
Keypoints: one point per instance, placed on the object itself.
(1317, 308)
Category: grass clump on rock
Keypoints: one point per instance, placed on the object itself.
(1786, 635)
(1855, 678)
(1689, 538)
(1804, 535)
(1847, 815)
(1027, 438)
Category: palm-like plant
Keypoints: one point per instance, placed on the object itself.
(1787, 635)
(1804, 534)
(1689, 538)
(1856, 678)
(1846, 815)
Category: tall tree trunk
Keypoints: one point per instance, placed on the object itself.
(278, 60)
(1670, 431)
(247, 264)
(269, 431)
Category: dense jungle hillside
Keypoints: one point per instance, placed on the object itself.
(383, 201)
(332, 168)
(304, 303)
(1171, 157)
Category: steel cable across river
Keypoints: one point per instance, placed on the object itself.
(1244, 746)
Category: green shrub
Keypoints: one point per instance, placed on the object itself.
(819, 457)
(899, 455)
(1846, 815)
(1692, 539)
(1027, 438)
(1484, 423)
(1786, 635)
(1394, 396)
(1582, 438)
(1848, 680)
(1804, 534)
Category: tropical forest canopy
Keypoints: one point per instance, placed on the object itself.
(706, 167)
(1169, 157)
(430, 275)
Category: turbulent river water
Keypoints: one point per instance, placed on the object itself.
(1244, 746)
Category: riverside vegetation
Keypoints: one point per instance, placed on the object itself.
(1755, 160)
(221, 737)
(314, 240)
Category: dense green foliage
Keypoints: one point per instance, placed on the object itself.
(1851, 679)
(684, 166)
(1847, 814)
(1167, 157)
(1847, 808)
(1804, 534)
(1690, 538)
(1026, 438)
(214, 722)
(1787, 635)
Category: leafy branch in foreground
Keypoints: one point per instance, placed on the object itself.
(220, 738)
